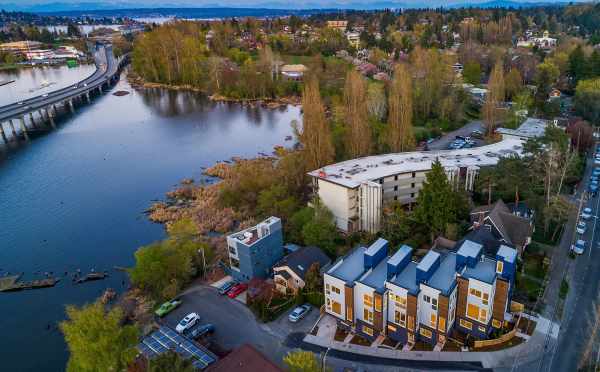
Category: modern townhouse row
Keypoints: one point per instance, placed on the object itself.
(374, 294)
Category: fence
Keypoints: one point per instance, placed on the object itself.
(499, 340)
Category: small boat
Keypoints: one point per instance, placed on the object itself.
(92, 276)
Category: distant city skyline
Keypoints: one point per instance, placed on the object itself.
(66, 5)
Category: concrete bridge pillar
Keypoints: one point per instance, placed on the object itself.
(71, 107)
(12, 127)
(87, 95)
(42, 116)
(2, 133)
(24, 128)
(31, 119)
(50, 116)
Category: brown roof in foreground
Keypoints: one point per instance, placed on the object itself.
(245, 358)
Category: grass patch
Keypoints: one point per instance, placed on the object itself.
(528, 288)
(534, 266)
(564, 289)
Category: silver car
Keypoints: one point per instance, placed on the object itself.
(299, 313)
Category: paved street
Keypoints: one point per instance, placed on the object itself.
(445, 140)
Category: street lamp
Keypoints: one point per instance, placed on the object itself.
(324, 359)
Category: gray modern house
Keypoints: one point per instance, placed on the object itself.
(254, 251)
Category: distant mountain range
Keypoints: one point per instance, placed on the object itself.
(243, 7)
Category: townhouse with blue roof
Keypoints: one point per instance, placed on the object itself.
(372, 294)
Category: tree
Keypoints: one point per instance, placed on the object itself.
(472, 73)
(73, 30)
(97, 340)
(578, 67)
(436, 203)
(170, 362)
(396, 227)
(313, 278)
(320, 230)
(513, 83)
(276, 201)
(558, 212)
(315, 135)
(358, 132)
(303, 361)
(376, 100)
(545, 77)
(587, 100)
(400, 127)
(494, 97)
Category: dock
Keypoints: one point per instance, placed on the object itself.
(12, 283)
(91, 276)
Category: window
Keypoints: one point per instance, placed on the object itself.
(432, 321)
(381, 181)
(473, 311)
(367, 330)
(434, 303)
(400, 301)
(427, 299)
(499, 267)
(378, 303)
(368, 300)
(233, 251)
(349, 313)
(412, 194)
(392, 328)
(442, 324)
(400, 318)
(396, 178)
(412, 185)
(395, 197)
(475, 292)
(414, 174)
(482, 329)
(368, 316)
(465, 324)
(235, 263)
(411, 322)
(425, 332)
(395, 188)
(327, 289)
(328, 303)
(483, 315)
(496, 323)
(336, 307)
(335, 290)
(486, 297)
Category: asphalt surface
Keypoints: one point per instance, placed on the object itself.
(236, 325)
(443, 142)
(107, 66)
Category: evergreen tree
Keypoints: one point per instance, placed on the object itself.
(400, 118)
(436, 203)
(578, 67)
(595, 64)
(358, 132)
(472, 73)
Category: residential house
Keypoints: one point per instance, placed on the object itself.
(373, 295)
(254, 251)
(353, 39)
(293, 72)
(245, 358)
(290, 272)
(511, 228)
(338, 25)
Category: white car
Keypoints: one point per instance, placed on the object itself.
(586, 214)
(581, 227)
(20, 103)
(188, 322)
(45, 95)
(578, 247)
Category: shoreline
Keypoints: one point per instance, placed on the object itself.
(137, 82)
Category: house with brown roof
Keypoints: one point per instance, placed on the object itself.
(245, 358)
(512, 228)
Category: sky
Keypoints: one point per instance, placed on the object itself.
(52, 5)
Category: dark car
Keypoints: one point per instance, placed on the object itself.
(225, 287)
(202, 331)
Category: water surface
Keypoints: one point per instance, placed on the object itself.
(73, 198)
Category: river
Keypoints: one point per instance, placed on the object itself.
(73, 198)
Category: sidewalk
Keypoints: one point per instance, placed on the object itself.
(528, 351)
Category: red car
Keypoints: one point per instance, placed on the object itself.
(236, 290)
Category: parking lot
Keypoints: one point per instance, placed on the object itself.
(235, 324)
(443, 142)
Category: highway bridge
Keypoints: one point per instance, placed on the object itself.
(43, 109)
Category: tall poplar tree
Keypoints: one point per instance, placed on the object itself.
(358, 131)
(495, 95)
(315, 134)
(401, 136)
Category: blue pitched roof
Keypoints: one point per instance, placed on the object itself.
(443, 279)
(428, 260)
(351, 266)
(376, 277)
(484, 270)
(507, 253)
(407, 278)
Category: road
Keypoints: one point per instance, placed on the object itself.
(445, 140)
(235, 325)
(107, 66)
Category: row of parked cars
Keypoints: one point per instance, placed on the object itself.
(187, 324)
(461, 142)
(587, 213)
(232, 288)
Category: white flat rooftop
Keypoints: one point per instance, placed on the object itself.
(351, 173)
(530, 128)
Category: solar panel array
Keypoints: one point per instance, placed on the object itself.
(165, 339)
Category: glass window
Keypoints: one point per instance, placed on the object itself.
(367, 330)
(499, 267)
(442, 324)
(378, 303)
(425, 332)
(473, 311)
(368, 300)
(465, 324)
(432, 321)
(336, 307)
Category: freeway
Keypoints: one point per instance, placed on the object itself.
(107, 67)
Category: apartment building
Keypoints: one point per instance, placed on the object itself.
(373, 294)
(254, 251)
(356, 190)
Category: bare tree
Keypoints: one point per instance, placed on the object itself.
(495, 96)
(401, 136)
(358, 132)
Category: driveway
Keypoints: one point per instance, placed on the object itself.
(445, 140)
(236, 325)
